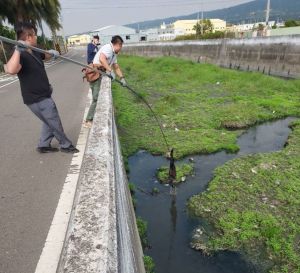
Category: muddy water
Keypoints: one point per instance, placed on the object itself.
(169, 226)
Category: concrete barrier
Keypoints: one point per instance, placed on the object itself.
(278, 56)
(102, 235)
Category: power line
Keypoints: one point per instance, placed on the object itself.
(148, 5)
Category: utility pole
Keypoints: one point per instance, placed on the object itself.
(268, 13)
(202, 18)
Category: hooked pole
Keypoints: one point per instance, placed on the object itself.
(7, 40)
(172, 168)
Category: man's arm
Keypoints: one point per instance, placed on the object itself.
(13, 66)
(104, 63)
(118, 70)
(89, 53)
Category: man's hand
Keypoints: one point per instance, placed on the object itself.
(53, 53)
(111, 74)
(123, 82)
(21, 48)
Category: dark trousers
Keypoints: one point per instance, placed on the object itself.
(47, 112)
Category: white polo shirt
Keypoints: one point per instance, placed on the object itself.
(109, 52)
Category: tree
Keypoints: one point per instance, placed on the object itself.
(203, 26)
(34, 11)
(291, 23)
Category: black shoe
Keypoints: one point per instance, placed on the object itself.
(44, 150)
(70, 150)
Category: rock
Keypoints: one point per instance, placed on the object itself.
(277, 182)
(155, 191)
(235, 175)
(253, 170)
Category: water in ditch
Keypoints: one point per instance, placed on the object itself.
(169, 226)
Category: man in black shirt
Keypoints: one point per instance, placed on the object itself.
(36, 89)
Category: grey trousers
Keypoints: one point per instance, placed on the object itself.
(47, 112)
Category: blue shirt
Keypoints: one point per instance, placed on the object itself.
(91, 52)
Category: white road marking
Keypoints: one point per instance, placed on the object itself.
(9, 83)
(50, 255)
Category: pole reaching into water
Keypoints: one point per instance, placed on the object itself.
(10, 41)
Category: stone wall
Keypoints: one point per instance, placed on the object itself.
(279, 56)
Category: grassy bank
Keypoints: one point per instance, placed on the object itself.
(182, 171)
(253, 204)
(197, 104)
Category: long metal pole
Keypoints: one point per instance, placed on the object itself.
(10, 41)
(7, 40)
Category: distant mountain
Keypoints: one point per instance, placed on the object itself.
(244, 13)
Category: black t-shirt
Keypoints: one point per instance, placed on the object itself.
(34, 81)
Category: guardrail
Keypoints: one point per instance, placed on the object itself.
(102, 236)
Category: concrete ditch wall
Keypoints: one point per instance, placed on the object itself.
(102, 235)
(279, 56)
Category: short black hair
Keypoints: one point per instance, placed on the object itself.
(25, 28)
(117, 40)
(96, 37)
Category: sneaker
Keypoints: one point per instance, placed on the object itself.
(70, 150)
(44, 150)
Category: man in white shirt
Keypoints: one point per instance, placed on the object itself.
(107, 58)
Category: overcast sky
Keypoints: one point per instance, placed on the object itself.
(84, 15)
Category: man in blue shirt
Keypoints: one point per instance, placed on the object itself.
(92, 50)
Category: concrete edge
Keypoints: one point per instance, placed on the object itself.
(52, 249)
(102, 236)
(91, 241)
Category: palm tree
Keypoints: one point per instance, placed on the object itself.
(34, 11)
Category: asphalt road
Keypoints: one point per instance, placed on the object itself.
(31, 183)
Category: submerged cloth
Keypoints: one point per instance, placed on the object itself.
(33, 78)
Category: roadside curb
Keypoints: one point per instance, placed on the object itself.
(50, 256)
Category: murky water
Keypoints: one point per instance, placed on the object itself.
(169, 226)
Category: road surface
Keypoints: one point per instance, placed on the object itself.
(31, 183)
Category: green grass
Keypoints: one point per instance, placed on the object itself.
(253, 203)
(195, 110)
(182, 171)
(149, 264)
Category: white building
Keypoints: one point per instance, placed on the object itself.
(149, 35)
(129, 35)
(250, 27)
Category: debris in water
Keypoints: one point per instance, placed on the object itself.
(172, 173)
